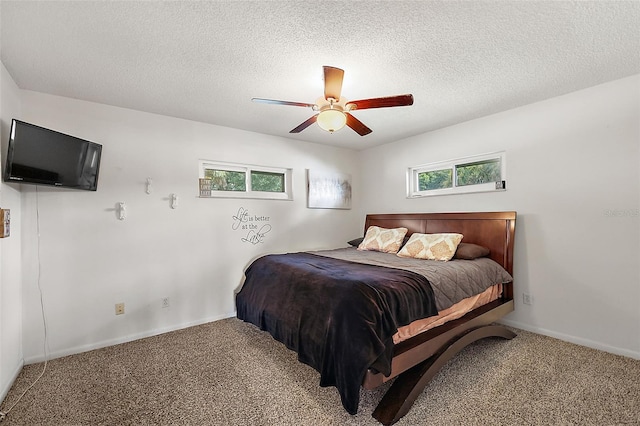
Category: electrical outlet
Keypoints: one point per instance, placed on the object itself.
(165, 302)
(527, 299)
(119, 308)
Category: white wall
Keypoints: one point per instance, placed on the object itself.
(10, 263)
(89, 260)
(570, 161)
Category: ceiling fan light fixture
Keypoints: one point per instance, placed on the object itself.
(331, 120)
(332, 111)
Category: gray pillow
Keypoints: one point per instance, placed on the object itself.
(355, 242)
(470, 251)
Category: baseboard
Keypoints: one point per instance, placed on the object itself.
(124, 339)
(7, 386)
(573, 339)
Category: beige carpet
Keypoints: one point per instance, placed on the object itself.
(230, 373)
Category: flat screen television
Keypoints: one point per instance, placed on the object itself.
(41, 156)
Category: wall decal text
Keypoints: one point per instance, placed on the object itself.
(253, 227)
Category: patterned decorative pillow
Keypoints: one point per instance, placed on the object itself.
(431, 246)
(383, 239)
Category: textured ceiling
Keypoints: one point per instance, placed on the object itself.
(204, 61)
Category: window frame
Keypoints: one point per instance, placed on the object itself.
(413, 173)
(287, 194)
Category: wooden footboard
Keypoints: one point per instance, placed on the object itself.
(415, 365)
(411, 352)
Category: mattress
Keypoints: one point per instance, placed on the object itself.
(453, 312)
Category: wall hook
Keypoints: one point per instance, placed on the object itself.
(122, 210)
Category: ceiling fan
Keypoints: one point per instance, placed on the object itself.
(334, 111)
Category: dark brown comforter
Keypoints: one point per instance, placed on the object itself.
(339, 316)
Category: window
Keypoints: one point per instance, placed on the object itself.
(479, 173)
(267, 181)
(435, 179)
(246, 181)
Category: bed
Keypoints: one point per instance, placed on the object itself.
(344, 316)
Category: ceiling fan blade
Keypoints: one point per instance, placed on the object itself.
(306, 124)
(276, 102)
(389, 101)
(357, 125)
(332, 82)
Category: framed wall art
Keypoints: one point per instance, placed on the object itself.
(328, 190)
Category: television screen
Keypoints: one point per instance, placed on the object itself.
(45, 157)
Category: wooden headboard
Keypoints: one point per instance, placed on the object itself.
(494, 230)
